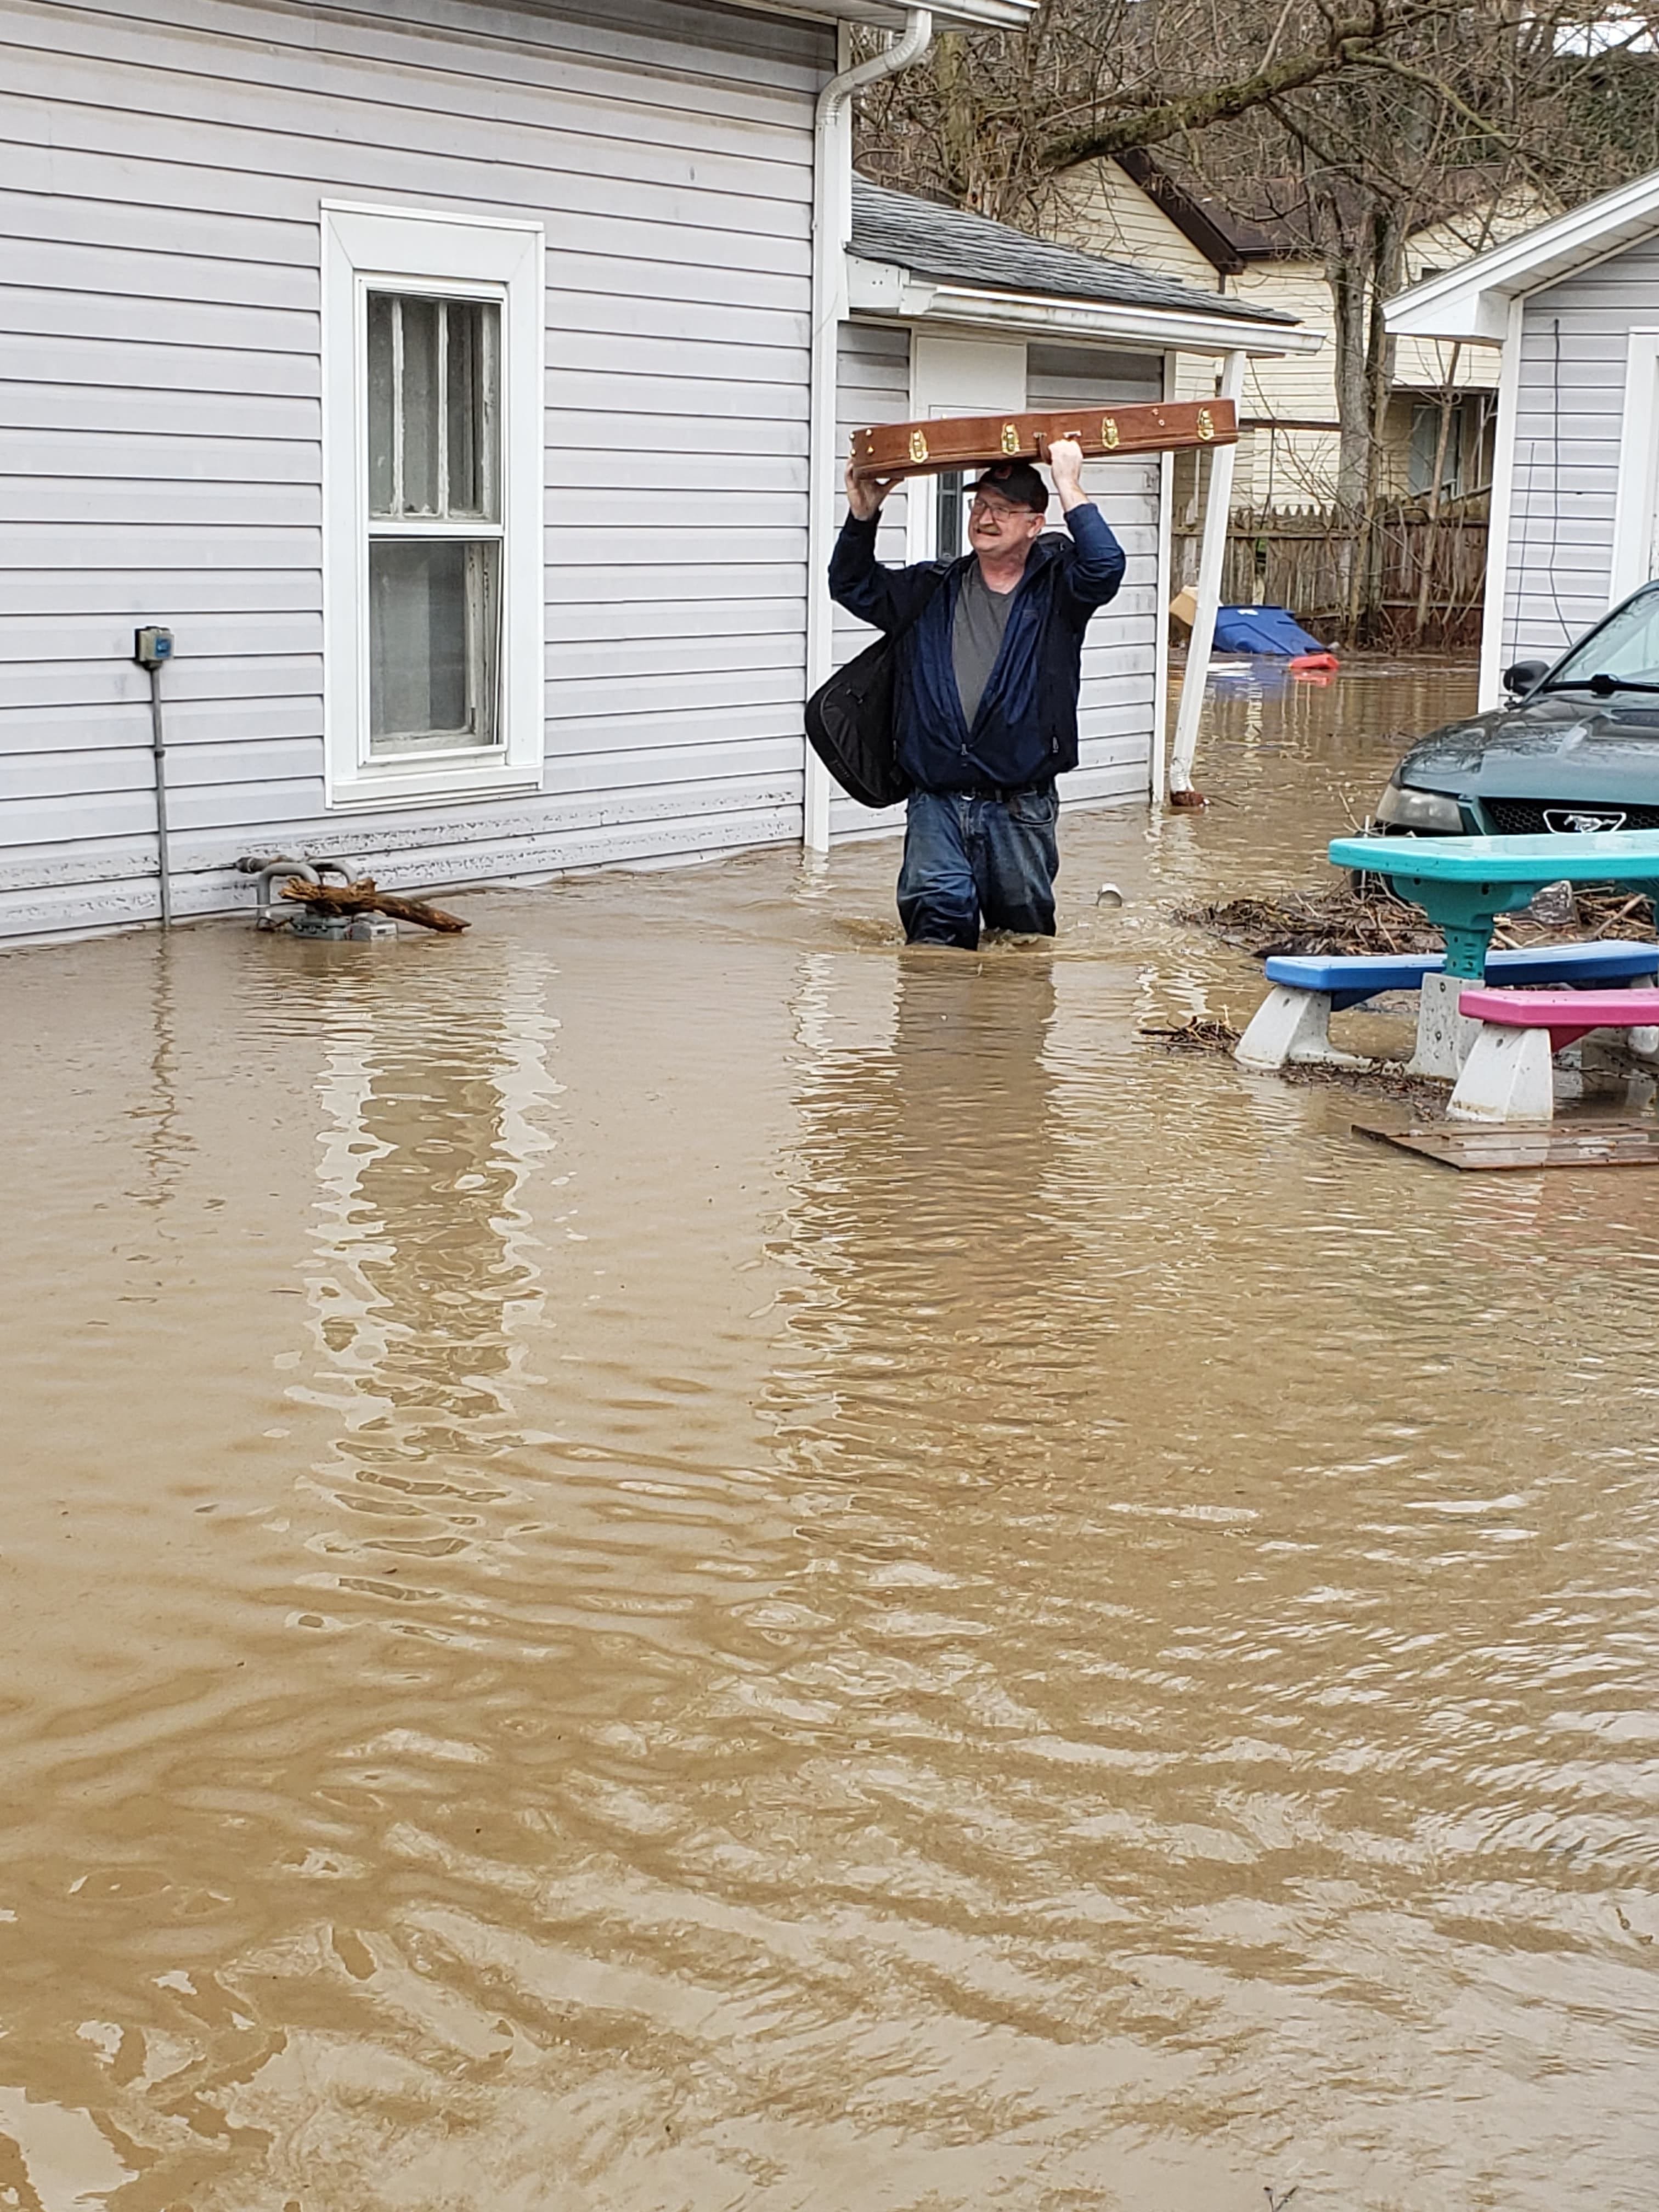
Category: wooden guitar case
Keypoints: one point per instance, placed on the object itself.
(975, 442)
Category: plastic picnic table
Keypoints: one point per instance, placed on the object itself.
(1463, 883)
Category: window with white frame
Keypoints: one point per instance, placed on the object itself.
(432, 476)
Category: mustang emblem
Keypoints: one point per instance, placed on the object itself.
(1568, 820)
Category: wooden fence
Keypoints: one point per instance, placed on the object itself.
(1304, 559)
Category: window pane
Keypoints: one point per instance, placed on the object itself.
(434, 632)
(473, 329)
(1627, 644)
(434, 407)
(382, 422)
(948, 515)
(420, 397)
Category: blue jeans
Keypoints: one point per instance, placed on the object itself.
(968, 854)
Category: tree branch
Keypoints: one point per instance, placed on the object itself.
(1482, 124)
(1353, 38)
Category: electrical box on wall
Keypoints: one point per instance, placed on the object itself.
(151, 646)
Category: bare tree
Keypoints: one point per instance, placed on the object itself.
(1354, 123)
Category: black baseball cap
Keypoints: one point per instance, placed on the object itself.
(1016, 481)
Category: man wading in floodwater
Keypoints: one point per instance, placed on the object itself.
(985, 690)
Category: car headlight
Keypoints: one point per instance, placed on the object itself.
(1400, 807)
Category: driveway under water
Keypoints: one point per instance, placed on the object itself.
(663, 1558)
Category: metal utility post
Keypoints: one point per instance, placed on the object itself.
(1218, 513)
(152, 648)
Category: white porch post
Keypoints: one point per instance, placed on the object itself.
(1500, 509)
(1158, 765)
(1219, 499)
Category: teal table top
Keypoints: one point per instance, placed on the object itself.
(1590, 856)
(1463, 883)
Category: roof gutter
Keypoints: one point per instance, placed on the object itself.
(832, 228)
(889, 15)
(880, 289)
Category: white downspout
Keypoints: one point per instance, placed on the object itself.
(1218, 511)
(832, 229)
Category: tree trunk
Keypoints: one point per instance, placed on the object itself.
(1431, 528)
(1362, 273)
(958, 120)
(1347, 278)
(1347, 286)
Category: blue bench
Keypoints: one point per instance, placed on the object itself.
(1293, 1021)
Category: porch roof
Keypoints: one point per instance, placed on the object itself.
(913, 258)
(1473, 302)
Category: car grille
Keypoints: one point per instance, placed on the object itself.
(1524, 818)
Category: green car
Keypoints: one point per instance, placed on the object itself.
(1577, 748)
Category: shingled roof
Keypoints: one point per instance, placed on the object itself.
(947, 244)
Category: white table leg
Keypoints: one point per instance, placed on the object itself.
(1508, 1076)
(1444, 1036)
(1291, 1024)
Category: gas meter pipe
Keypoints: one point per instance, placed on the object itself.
(152, 646)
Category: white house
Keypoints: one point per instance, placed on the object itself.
(463, 383)
(1572, 308)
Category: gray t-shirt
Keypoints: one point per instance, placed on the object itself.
(977, 638)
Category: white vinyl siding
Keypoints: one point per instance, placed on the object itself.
(1099, 208)
(1568, 433)
(160, 452)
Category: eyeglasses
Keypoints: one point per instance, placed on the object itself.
(999, 509)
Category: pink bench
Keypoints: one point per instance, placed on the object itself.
(1507, 1076)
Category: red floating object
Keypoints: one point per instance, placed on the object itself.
(1314, 664)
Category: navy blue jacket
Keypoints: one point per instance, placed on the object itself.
(1025, 730)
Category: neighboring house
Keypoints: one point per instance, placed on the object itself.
(1569, 314)
(1265, 259)
(456, 380)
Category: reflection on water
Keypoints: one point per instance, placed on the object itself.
(668, 1557)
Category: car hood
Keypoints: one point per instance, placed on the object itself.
(1561, 747)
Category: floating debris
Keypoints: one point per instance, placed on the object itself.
(363, 898)
(1327, 921)
(1200, 1031)
(1342, 921)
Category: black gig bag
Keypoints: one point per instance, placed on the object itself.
(849, 719)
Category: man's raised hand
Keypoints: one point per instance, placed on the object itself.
(1066, 467)
(866, 494)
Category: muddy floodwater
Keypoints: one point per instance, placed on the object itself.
(663, 1560)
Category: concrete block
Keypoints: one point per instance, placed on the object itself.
(1291, 1025)
(1444, 1036)
(1508, 1076)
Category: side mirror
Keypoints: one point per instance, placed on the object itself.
(1525, 676)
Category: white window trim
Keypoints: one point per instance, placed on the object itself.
(386, 249)
(1638, 458)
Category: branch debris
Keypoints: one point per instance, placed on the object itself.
(362, 897)
(1339, 922)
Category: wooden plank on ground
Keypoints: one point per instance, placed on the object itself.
(1587, 1143)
